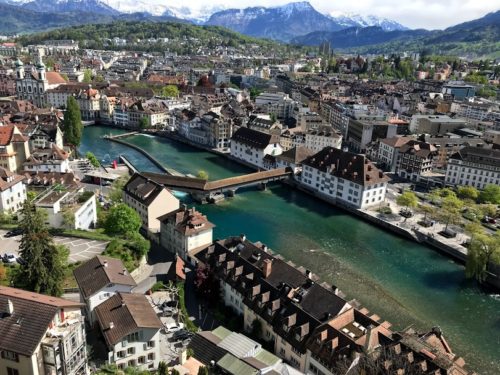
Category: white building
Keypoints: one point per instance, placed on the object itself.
(41, 335)
(251, 146)
(388, 151)
(32, 86)
(73, 209)
(317, 140)
(50, 159)
(474, 166)
(344, 178)
(12, 191)
(185, 231)
(150, 200)
(131, 331)
(99, 279)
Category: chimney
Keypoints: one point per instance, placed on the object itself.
(111, 325)
(105, 263)
(243, 237)
(10, 307)
(182, 356)
(308, 274)
(124, 272)
(267, 268)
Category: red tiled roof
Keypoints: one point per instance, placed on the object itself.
(54, 78)
(6, 133)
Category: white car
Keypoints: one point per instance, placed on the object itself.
(173, 327)
(9, 258)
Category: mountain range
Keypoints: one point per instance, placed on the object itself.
(479, 37)
(298, 23)
(280, 23)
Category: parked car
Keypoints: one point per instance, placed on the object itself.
(182, 335)
(166, 304)
(13, 233)
(9, 258)
(173, 327)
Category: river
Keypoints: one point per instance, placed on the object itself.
(401, 281)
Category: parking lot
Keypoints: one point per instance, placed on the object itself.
(80, 249)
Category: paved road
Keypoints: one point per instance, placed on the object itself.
(80, 249)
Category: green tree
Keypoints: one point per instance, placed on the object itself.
(450, 210)
(122, 219)
(143, 123)
(408, 199)
(87, 76)
(3, 275)
(490, 194)
(483, 250)
(92, 159)
(174, 372)
(467, 192)
(170, 91)
(72, 124)
(43, 270)
(202, 174)
(115, 194)
(137, 244)
(162, 368)
(203, 371)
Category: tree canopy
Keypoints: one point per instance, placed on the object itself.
(121, 220)
(92, 159)
(170, 91)
(490, 194)
(43, 269)
(72, 124)
(408, 199)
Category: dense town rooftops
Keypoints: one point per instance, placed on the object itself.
(123, 314)
(100, 271)
(25, 317)
(420, 149)
(347, 165)
(295, 155)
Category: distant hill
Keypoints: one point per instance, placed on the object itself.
(480, 37)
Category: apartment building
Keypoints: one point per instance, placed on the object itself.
(318, 139)
(415, 160)
(474, 166)
(435, 124)
(251, 146)
(388, 151)
(99, 279)
(40, 335)
(49, 159)
(12, 191)
(150, 200)
(14, 148)
(308, 325)
(131, 331)
(360, 133)
(185, 231)
(344, 178)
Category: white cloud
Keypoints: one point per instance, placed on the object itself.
(430, 14)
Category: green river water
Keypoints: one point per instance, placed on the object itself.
(401, 281)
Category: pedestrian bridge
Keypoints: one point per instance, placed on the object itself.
(203, 190)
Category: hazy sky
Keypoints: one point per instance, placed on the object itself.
(430, 14)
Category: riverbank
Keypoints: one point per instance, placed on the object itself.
(399, 280)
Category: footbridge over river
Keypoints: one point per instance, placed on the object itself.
(204, 191)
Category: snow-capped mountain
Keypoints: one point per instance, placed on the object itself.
(63, 6)
(358, 20)
(281, 22)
